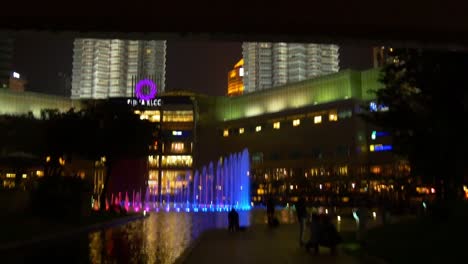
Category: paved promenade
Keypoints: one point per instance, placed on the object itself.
(260, 245)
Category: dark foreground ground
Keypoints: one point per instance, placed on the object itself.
(257, 244)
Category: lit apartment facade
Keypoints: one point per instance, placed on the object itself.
(270, 65)
(104, 68)
(236, 79)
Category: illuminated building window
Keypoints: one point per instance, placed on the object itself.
(177, 133)
(317, 119)
(177, 161)
(10, 175)
(296, 122)
(177, 147)
(258, 128)
(343, 170)
(39, 173)
(153, 175)
(276, 125)
(153, 161)
(241, 130)
(333, 117)
(241, 72)
(178, 116)
(148, 51)
(376, 169)
(226, 132)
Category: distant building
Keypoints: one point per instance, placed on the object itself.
(6, 57)
(13, 103)
(236, 79)
(104, 68)
(270, 65)
(16, 82)
(380, 56)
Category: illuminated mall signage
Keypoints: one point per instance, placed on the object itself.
(145, 99)
(376, 134)
(380, 147)
(374, 107)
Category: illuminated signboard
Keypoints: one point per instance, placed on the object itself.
(145, 99)
(376, 134)
(377, 108)
(380, 147)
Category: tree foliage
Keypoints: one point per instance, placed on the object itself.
(104, 128)
(426, 93)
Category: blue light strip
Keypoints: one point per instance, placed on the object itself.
(378, 148)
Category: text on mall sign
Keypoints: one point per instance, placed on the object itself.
(145, 99)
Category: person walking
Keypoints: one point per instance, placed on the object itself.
(315, 233)
(233, 219)
(270, 211)
(301, 212)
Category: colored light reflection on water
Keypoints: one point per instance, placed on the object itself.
(158, 238)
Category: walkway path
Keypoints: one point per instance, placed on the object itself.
(259, 245)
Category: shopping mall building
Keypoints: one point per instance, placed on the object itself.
(304, 136)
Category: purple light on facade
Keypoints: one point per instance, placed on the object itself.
(139, 90)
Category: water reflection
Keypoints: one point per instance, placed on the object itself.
(159, 238)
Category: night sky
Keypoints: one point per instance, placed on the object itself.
(191, 65)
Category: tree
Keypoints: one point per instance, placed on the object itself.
(426, 95)
(113, 131)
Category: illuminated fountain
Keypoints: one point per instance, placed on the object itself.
(219, 187)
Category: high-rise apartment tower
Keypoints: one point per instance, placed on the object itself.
(269, 65)
(104, 68)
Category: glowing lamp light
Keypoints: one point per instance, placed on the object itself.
(139, 90)
(338, 218)
(144, 212)
(374, 214)
(433, 190)
(355, 216)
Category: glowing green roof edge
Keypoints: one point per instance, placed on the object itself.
(345, 84)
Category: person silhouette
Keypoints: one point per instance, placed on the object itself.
(301, 212)
(270, 210)
(233, 220)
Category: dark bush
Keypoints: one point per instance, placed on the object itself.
(60, 197)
